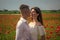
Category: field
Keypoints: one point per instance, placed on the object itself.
(8, 26)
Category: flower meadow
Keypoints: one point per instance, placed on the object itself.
(51, 25)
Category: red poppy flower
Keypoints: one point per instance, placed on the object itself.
(7, 32)
(48, 37)
(51, 32)
(51, 27)
(57, 30)
(45, 26)
(47, 31)
(58, 27)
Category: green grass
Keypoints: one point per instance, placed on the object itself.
(17, 12)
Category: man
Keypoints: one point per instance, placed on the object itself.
(22, 28)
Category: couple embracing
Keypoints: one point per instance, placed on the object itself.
(33, 30)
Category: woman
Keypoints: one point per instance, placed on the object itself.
(36, 26)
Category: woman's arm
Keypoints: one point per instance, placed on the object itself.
(42, 32)
(43, 37)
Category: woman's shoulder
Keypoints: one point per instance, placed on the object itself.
(30, 23)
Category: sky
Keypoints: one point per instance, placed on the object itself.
(42, 4)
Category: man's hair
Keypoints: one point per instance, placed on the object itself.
(23, 6)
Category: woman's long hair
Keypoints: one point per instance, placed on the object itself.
(39, 17)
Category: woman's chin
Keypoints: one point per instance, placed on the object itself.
(33, 18)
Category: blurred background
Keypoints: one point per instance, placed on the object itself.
(9, 16)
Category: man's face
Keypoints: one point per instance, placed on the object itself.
(27, 12)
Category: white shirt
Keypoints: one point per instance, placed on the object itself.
(22, 30)
(34, 31)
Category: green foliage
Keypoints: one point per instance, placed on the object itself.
(5, 11)
(9, 12)
(1, 10)
(50, 11)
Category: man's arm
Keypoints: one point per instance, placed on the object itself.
(19, 31)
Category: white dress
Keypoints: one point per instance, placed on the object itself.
(33, 30)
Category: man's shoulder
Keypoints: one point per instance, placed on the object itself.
(21, 23)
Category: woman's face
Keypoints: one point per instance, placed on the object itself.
(33, 14)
